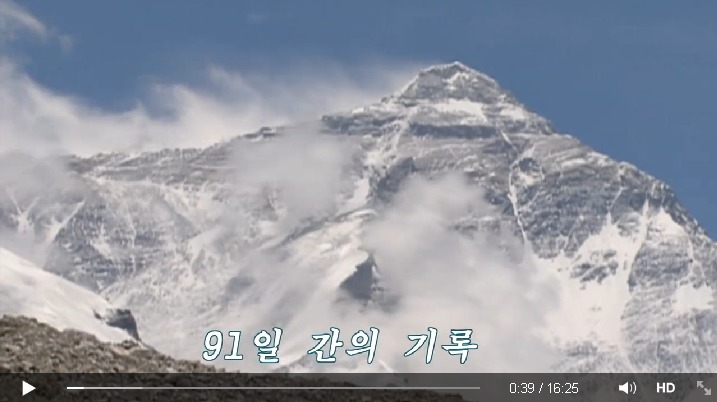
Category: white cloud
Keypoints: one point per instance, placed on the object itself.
(40, 121)
(439, 277)
(307, 171)
(450, 280)
(15, 20)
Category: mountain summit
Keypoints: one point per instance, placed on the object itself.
(447, 95)
(546, 248)
(452, 81)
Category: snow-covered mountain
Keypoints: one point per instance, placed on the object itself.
(30, 291)
(445, 204)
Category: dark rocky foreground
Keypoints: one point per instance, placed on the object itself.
(28, 347)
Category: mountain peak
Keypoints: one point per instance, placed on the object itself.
(451, 81)
(449, 69)
(447, 95)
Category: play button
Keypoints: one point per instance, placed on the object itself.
(26, 388)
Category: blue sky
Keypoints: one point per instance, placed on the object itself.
(634, 80)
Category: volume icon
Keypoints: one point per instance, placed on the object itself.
(628, 387)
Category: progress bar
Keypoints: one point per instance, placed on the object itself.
(280, 388)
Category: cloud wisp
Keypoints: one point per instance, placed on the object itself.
(304, 171)
(15, 20)
(40, 121)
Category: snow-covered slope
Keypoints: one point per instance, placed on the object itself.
(557, 256)
(32, 292)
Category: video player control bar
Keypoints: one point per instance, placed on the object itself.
(487, 386)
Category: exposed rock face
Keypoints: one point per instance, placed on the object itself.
(124, 320)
